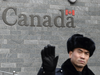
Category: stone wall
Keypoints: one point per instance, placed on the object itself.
(22, 38)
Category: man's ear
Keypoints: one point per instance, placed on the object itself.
(70, 54)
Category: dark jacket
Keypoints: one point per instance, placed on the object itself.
(67, 69)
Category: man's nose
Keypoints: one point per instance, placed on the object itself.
(83, 55)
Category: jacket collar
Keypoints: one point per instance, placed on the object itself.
(69, 68)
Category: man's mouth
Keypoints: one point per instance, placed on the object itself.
(81, 61)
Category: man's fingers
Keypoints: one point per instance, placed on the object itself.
(53, 51)
(48, 51)
(56, 59)
(42, 54)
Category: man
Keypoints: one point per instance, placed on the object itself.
(80, 48)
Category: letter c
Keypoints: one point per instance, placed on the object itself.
(5, 13)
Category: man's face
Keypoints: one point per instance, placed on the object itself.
(79, 57)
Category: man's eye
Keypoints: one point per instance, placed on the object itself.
(79, 51)
(87, 53)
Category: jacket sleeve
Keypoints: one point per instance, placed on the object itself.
(41, 72)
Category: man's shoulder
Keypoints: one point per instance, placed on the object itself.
(90, 72)
(58, 71)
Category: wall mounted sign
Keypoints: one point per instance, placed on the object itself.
(21, 19)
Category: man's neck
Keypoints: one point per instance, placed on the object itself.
(78, 68)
